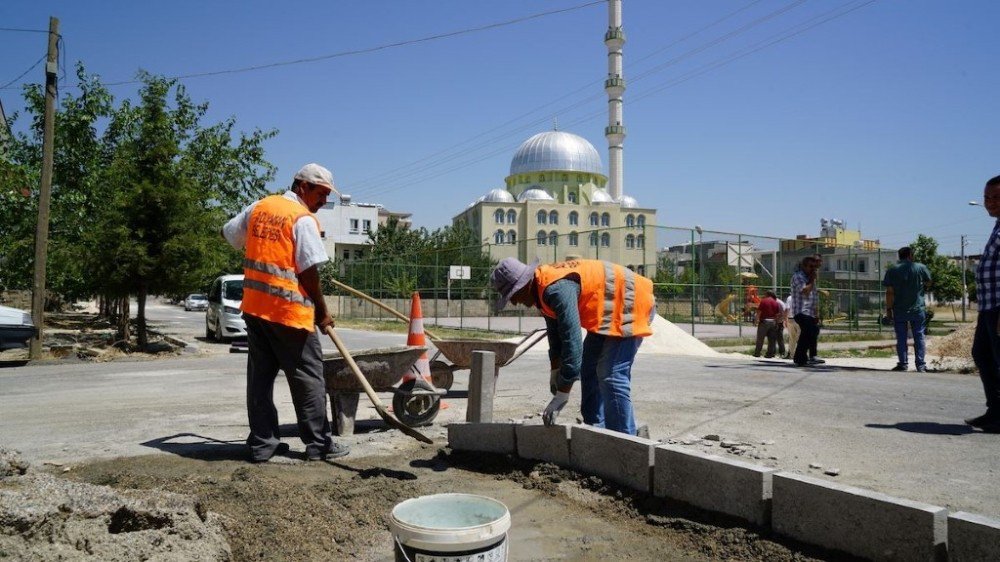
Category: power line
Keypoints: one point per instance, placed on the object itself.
(789, 33)
(374, 49)
(23, 30)
(23, 74)
(392, 176)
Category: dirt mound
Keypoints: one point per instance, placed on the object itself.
(47, 518)
(954, 350)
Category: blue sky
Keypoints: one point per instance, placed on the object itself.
(885, 117)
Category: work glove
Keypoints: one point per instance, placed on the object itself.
(553, 381)
(555, 406)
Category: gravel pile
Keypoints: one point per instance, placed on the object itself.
(45, 518)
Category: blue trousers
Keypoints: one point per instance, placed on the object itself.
(915, 321)
(606, 382)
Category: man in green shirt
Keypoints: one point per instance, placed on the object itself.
(904, 300)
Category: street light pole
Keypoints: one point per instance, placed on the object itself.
(965, 288)
(701, 268)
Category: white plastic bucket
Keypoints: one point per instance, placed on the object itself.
(452, 527)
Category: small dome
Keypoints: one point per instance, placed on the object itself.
(535, 193)
(601, 197)
(556, 150)
(628, 202)
(498, 196)
(479, 200)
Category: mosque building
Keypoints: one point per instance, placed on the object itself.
(558, 204)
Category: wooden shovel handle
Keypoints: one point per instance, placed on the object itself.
(380, 304)
(389, 418)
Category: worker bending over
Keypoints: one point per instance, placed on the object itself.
(614, 305)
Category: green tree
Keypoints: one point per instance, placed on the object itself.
(946, 276)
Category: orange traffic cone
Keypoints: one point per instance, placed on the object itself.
(415, 336)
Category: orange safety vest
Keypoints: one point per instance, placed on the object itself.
(614, 301)
(271, 289)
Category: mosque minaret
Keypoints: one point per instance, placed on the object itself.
(615, 87)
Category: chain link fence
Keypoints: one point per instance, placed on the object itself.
(703, 279)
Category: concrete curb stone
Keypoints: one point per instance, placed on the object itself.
(972, 537)
(544, 443)
(482, 437)
(625, 459)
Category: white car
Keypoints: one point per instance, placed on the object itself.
(196, 301)
(16, 328)
(223, 318)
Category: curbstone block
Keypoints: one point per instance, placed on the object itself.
(482, 437)
(625, 459)
(714, 483)
(972, 537)
(544, 443)
(856, 521)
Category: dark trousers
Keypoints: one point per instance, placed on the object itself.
(299, 355)
(772, 331)
(986, 354)
(807, 339)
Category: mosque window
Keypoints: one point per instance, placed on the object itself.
(641, 270)
(553, 238)
(574, 218)
(606, 219)
(512, 216)
(498, 216)
(593, 219)
(593, 239)
(630, 220)
(640, 222)
(630, 241)
(542, 217)
(605, 239)
(511, 237)
(640, 241)
(541, 238)
(553, 217)
(574, 239)
(571, 197)
(498, 237)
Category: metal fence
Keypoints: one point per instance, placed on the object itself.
(701, 277)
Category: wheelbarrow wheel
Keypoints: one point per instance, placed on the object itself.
(442, 377)
(416, 411)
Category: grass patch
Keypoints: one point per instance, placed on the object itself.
(400, 328)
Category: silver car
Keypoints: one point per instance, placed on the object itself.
(223, 318)
(196, 301)
(16, 328)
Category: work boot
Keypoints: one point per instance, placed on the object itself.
(899, 367)
(816, 361)
(335, 451)
(281, 449)
(989, 418)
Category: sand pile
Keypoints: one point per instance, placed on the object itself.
(954, 350)
(667, 339)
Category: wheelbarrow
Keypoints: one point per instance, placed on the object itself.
(414, 404)
(459, 354)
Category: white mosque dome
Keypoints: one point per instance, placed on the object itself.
(628, 202)
(478, 200)
(601, 196)
(534, 193)
(498, 196)
(556, 150)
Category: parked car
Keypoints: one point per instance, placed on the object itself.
(196, 301)
(223, 318)
(16, 328)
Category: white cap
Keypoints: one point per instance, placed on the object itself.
(316, 174)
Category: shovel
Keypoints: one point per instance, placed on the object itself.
(379, 304)
(389, 418)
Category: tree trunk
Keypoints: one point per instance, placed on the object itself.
(124, 330)
(141, 317)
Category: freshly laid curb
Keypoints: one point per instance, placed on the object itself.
(809, 510)
(714, 483)
(857, 521)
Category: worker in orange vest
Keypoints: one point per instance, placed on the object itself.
(614, 305)
(282, 305)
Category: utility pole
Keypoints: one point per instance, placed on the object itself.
(42, 227)
(965, 288)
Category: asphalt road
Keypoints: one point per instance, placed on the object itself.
(897, 433)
